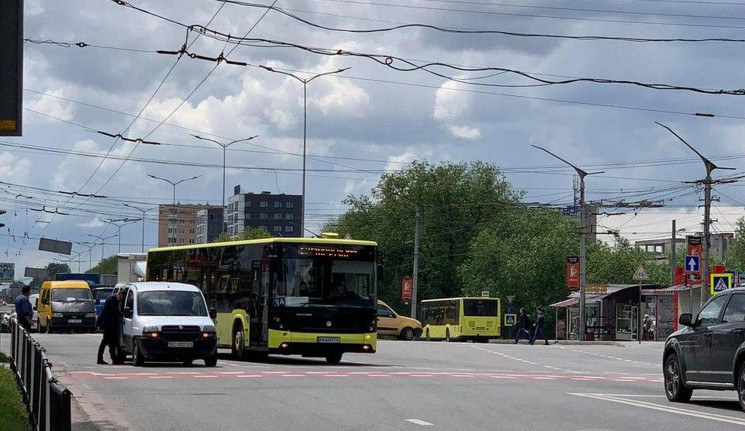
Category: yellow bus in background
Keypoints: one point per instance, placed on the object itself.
(449, 319)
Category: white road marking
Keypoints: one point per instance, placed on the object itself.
(419, 422)
(160, 377)
(662, 408)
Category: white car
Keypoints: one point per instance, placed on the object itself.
(166, 321)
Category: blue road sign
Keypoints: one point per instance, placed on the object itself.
(720, 282)
(691, 264)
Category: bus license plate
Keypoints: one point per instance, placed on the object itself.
(74, 321)
(329, 340)
(180, 344)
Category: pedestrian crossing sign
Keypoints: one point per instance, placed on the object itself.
(720, 282)
(510, 319)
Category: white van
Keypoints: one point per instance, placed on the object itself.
(166, 321)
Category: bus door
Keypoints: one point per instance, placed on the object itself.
(258, 312)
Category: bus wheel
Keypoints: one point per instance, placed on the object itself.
(447, 334)
(238, 347)
(333, 358)
(407, 334)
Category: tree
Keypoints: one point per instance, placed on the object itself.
(455, 202)
(734, 257)
(256, 233)
(56, 268)
(223, 237)
(617, 264)
(106, 266)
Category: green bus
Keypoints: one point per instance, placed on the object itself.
(450, 319)
(314, 297)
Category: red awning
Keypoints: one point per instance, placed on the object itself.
(565, 303)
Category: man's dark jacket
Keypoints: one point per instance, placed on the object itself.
(111, 316)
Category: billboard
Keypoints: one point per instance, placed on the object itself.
(37, 273)
(11, 67)
(7, 272)
(406, 286)
(573, 273)
(61, 247)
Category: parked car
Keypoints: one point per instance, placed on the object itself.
(5, 321)
(709, 351)
(391, 323)
(166, 321)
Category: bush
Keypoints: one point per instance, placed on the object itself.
(13, 415)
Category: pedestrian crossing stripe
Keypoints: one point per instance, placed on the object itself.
(720, 282)
(510, 319)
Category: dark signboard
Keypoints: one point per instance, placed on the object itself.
(11, 67)
(61, 247)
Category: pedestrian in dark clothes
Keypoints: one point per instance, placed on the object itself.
(24, 309)
(523, 326)
(110, 320)
(539, 327)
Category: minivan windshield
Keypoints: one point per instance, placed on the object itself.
(70, 295)
(170, 303)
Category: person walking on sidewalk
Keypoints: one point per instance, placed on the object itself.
(539, 327)
(24, 309)
(523, 326)
(110, 320)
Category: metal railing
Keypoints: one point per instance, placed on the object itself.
(47, 401)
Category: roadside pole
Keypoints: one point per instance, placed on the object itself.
(415, 277)
(640, 275)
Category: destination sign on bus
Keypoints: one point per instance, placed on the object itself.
(327, 251)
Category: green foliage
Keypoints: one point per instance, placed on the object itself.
(57, 268)
(456, 201)
(523, 255)
(107, 266)
(734, 258)
(617, 264)
(223, 237)
(13, 416)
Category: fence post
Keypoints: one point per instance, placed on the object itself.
(47, 410)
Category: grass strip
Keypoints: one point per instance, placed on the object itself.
(13, 415)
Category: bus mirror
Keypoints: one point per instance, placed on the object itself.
(213, 313)
(381, 274)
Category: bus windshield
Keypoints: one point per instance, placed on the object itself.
(339, 275)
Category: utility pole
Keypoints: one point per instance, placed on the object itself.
(582, 246)
(119, 223)
(707, 215)
(143, 211)
(173, 217)
(672, 255)
(305, 82)
(415, 277)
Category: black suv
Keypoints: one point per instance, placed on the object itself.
(709, 352)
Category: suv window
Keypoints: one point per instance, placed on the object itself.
(710, 314)
(735, 311)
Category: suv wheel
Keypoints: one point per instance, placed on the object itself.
(674, 388)
(741, 386)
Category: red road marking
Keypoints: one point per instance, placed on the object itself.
(358, 374)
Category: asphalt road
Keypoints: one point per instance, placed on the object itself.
(405, 386)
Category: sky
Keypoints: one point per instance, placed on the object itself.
(484, 80)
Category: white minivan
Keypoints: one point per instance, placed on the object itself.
(166, 321)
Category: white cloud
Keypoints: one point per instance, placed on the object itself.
(465, 132)
(14, 169)
(52, 106)
(93, 223)
(450, 105)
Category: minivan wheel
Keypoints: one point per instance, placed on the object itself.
(137, 359)
(407, 334)
(674, 389)
(211, 361)
(238, 346)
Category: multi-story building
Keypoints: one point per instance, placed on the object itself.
(177, 225)
(280, 215)
(660, 248)
(209, 224)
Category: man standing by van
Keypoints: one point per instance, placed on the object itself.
(110, 320)
(24, 310)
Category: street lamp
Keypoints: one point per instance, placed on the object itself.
(305, 82)
(119, 223)
(174, 184)
(143, 211)
(224, 146)
(103, 244)
(582, 233)
(89, 246)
